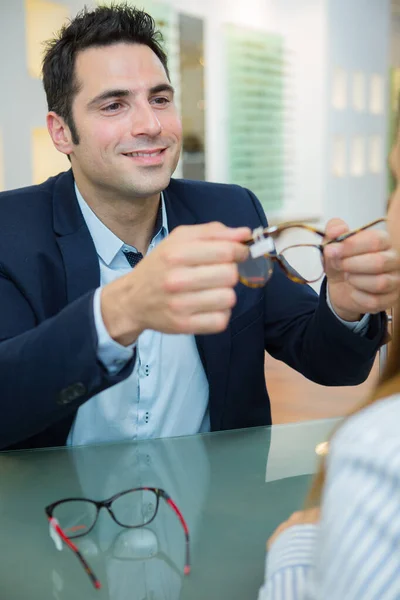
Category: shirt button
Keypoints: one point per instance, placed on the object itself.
(118, 362)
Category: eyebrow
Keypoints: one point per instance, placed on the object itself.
(119, 93)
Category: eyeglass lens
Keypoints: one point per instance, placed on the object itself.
(132, 509)
(303, 260)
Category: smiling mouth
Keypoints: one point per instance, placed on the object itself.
(145, 154)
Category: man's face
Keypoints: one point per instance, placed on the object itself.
(128, 127)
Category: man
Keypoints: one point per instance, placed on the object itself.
(99, 345)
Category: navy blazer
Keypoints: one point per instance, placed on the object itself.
(48, 273)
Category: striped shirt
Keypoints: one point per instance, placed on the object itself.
(354, 552)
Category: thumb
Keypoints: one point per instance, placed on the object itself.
(216, 231)
(332, 252)
(334, 228)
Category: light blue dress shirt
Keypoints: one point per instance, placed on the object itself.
(167, 392)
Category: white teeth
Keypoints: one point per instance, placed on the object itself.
(145, 154)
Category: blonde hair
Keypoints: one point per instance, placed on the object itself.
(389, 384)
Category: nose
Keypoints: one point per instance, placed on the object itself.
(145, 121)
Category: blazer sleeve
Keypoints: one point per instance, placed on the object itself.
(47, 370)
(302, 331)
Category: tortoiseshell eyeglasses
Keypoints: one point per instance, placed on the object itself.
(302, 263)
(75, 517)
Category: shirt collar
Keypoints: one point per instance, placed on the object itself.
(108, 244)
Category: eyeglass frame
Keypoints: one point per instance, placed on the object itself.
(275, 231)
(159, 492)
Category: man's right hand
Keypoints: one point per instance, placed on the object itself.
(185, 285)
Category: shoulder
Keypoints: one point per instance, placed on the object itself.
(191, 186)
(30, 191)
(217, 200)
(370, 436)
(383, 416)
(26, 217)
(22, 198)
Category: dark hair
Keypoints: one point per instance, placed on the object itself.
(103, 26)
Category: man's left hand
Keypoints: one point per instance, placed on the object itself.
(363, 271)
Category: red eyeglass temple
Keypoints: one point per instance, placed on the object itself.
(172, 504)
(74, 549)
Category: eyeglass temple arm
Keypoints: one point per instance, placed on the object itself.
(276, 230)
(53, 522)
(184, 525)
(344, 236)
(294, 224)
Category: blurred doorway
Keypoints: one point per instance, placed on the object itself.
(192, 96)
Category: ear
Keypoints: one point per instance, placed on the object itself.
(60, 133)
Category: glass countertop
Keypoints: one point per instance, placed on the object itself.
(233, 488)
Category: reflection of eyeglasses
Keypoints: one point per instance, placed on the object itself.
(140, 544)
(300, 258)
(74, 517)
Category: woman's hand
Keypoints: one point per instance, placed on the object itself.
(301, 517)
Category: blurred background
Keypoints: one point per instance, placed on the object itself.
(295, 99)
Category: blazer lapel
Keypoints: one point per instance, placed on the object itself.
(177, 208)
(81, 264)
(214, 349)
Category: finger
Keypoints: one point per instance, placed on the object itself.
(387, 261)
(334, 228)
(298, 514)
(184, 279)
(310, 515)
(373, 303)
(204, 301)
(364, 242)
(202, 252)
(332, 262)
(313, 514)
(213, 231)
(205, 323)
(375, 284)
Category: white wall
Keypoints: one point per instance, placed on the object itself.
(303, 24)
(20, 97)
(395, 35)
(359, 40)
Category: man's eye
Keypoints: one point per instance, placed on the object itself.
(112, 107)
(161, 100)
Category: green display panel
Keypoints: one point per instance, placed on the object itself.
(256, 83)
